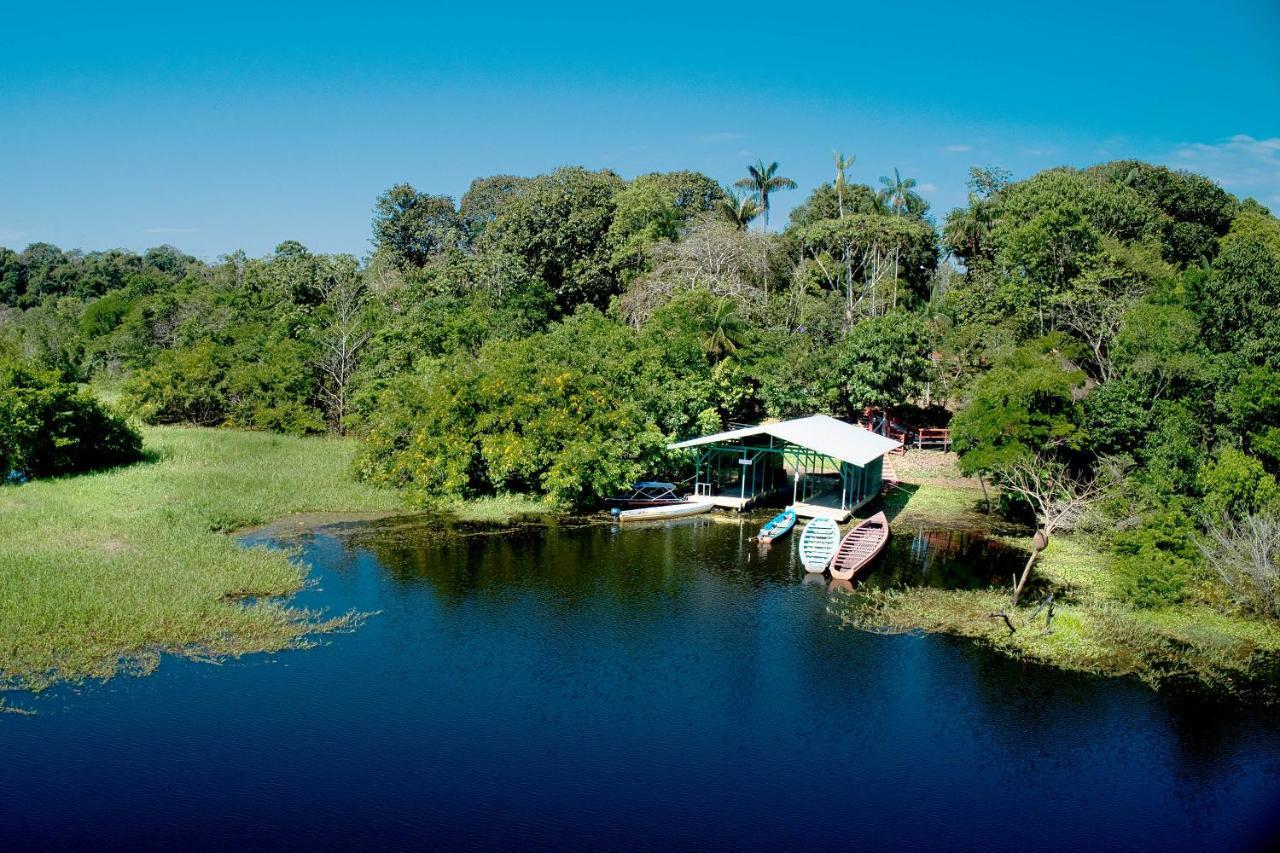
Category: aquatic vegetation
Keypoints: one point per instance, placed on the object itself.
(101, 573)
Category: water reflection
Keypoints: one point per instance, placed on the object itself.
(588, 686)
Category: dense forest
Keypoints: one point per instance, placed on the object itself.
(1105, 338)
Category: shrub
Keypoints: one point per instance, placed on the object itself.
(1236, 484)
(49, 427)
(1246, 554)
(1155, 561)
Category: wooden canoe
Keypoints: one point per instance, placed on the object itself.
(860, 546)
(778, 526)
(655, 513)
(818, 542)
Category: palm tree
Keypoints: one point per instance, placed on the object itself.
(967, 232)
(723, 328)
(738, 208)
(899, 193)
(842, 163)
(762, 181)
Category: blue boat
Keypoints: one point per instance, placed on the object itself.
(778, 526)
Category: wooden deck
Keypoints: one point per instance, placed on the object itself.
(731, 497)
(826, 505)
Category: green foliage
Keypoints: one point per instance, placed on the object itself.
(1234, 485)
(824, 203)
(545, 414)
(48, 427)
(764, 180)
(1196, 211)
(482, 201)
(1156, 561)
(555, 231)
(1239, 303)
(1252, 408)
(884, 361)
(654, 208)
(876, 247)
(1159, 348)
(1025, 404)
(412, 226)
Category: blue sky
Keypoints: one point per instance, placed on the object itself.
(234, 125)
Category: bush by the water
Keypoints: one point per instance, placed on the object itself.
(49, 427)
(1155, 561)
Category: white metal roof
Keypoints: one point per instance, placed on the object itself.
(819, 433)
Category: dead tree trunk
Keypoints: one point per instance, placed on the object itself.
(1038, 544)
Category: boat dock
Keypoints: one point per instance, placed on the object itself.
(828, 505)
(737, 498)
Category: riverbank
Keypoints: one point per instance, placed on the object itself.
(1093, 631)
(103, 572)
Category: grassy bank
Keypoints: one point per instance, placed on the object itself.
(104, 571)
(1093, 630)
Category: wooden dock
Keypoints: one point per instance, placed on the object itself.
(826, 505)
(732, 497)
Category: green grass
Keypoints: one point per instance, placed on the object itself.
(499, 509)
(102, 572)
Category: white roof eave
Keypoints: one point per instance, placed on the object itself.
(819, 433)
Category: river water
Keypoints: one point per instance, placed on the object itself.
(658, 687)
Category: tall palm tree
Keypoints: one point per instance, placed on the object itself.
(738, 208)
(842, 163)
(763, 180)
(899, 193)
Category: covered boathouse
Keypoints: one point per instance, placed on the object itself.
(829, 467)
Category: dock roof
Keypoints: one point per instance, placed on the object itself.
(819, 433)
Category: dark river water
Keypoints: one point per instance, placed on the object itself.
(661, 687)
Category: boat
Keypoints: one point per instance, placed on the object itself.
(818, 542)
(778, 526)
(860, 546)
(655, 513)
(649, 494)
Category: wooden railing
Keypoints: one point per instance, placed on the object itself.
(933, 437)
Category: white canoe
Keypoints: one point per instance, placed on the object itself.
(653, 513)
(818, 543)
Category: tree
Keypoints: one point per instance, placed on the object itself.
(723, 330)
(899, 195)
(482, 201)
(1234, 485)
(824, 203)
(866, 256)
(1096, 303)
(48, 427)
(1197, 211)
(842, 163)
(763, 180)
(714, 256)
(341, 340)
(412, 226)
(986, 182)
(555, 231)
(1239, 302)
(882, 362)
(967, 231)
(738, 208)
(1058, 497)
(1025, 407)
(654, 208)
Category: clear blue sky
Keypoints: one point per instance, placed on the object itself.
(216, 126)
